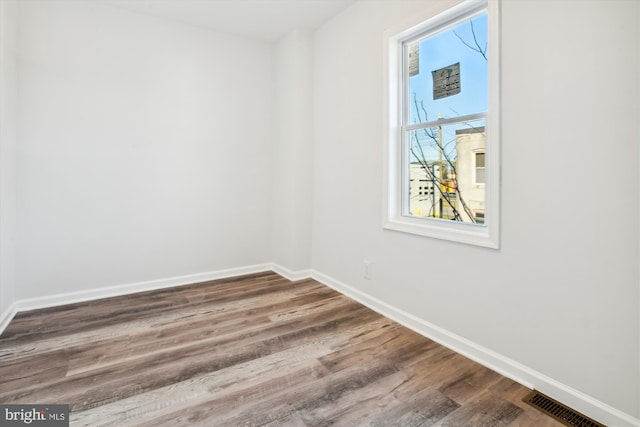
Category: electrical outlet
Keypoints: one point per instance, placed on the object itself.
(368, 270)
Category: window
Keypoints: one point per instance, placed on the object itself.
(479, 175)
(442, 98)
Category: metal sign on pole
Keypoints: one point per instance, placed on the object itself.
(446, 81)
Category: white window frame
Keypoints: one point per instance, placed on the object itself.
(394, 217)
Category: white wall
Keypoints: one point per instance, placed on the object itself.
(560, 297)
(8, 131)
(145, 149)
(292, 151)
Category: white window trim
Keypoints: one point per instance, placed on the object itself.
(487, 235)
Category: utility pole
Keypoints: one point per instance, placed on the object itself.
(433, 189)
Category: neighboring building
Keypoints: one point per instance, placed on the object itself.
(421, 194)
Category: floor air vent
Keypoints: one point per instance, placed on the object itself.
(558, 411)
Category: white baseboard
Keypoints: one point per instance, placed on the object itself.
(518, 372)
(7, 316)
(290, 274)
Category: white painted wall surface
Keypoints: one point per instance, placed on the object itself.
(8, 135)
(293, 79)
(145, 149)
(561, 295)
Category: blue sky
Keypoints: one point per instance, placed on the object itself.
(445, 49)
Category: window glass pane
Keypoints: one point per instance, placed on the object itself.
(442, 162)
(448, 72)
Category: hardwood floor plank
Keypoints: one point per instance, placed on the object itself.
(216, 391)
(391, 341)
(39, 369)
(424, 408)
(253, 350)
(487, 410)
(280, 407)
(468, 381)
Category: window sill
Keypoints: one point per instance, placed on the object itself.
(471, 234)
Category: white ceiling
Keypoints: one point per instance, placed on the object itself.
(262, 19)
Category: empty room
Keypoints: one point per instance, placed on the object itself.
(320, 212)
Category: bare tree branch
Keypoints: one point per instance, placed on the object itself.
(475, 48)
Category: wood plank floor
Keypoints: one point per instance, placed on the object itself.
(250, 351)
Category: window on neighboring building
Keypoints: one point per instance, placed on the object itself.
(442, 86)
(479, 175)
